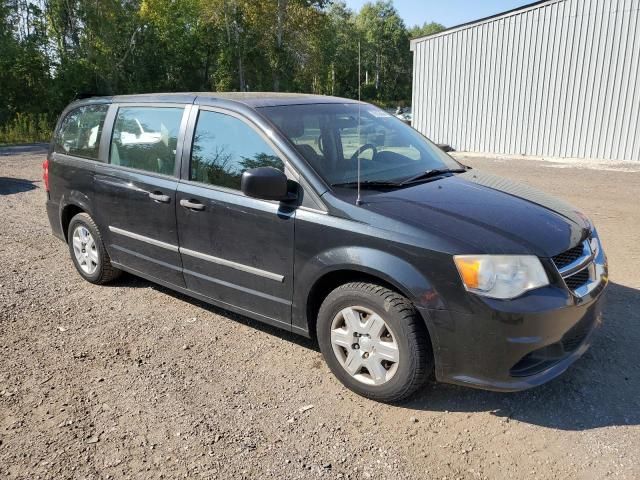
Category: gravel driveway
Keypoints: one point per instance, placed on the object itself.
(134, 381)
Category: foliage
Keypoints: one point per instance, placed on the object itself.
(425, 30)
(26, 128)
(52, 51)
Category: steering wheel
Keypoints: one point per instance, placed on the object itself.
(364, 147)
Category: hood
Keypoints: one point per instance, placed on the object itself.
(490, 213)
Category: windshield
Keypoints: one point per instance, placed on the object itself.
(331, 137)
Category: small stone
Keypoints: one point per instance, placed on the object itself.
(413, 420)
(185, 347)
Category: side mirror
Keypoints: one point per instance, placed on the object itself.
(445, 148)
(266, 183)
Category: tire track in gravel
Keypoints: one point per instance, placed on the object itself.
(132, 380)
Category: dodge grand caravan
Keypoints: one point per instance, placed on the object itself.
(330, 218)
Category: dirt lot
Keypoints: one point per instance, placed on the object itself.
(133, 381)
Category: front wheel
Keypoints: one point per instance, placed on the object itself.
(87, 251)
(374, 341)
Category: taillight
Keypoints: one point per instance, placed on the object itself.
(45, 174)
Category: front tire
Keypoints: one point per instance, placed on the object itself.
(374, 341)
(87, 250)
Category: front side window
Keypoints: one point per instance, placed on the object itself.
(333, 137)
(224, 147)
(146, 138)
(80, 131)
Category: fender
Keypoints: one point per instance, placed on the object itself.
(393, 270)
(77, 199)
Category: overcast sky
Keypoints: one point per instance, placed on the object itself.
(447, 12)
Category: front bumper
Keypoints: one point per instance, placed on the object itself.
(517, 344)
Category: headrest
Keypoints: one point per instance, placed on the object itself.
(292, 127)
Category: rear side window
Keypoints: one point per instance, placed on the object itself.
(80, 131)
(224, 147)
(146, 138)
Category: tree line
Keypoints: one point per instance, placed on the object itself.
(52, 51)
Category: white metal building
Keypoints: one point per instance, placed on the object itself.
(557, 78)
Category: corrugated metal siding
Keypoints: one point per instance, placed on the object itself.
(559, 79)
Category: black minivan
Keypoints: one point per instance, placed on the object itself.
(330, 218)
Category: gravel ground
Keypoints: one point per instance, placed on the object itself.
(134, 381)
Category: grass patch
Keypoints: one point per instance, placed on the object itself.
(26, 128)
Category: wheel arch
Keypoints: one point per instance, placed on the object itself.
(372, 266)
(70, 206)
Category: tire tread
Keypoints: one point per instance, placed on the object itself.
(108, 272)
(420, 355)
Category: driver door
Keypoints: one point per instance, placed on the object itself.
(235, 249)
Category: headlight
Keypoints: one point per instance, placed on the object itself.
(500, 276)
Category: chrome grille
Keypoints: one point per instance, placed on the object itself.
(571, 255)
(577, 266)
(577, 280)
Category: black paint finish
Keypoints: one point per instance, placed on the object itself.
(264, 258)
(238, 232)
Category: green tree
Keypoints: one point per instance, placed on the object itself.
(425, 29)
(341, 44)
(51, 51)
(24, 65)
(386, 58)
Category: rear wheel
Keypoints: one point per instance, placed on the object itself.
(374, 341)
(87, 250)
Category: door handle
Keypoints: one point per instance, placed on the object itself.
(191, 205)
(159, 197)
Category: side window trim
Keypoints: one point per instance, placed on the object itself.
(185, 160)
(185, 175)
(290, 170)
(107, 136)
(61, 123)
(107, 131)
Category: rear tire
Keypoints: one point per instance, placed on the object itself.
(88, 253)
(374, 341)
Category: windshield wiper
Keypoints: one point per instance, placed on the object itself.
(429, 174)
(432, 174)
(368, 184)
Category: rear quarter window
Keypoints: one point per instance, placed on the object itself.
(146, 138)
(80, 131)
